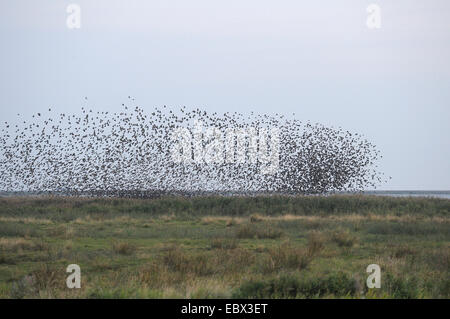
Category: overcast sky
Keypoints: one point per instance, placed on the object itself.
(315, 58)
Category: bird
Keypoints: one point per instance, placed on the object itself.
(134, 153)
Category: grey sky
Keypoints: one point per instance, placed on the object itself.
(315, 58)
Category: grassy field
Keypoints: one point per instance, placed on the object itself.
(225, 247)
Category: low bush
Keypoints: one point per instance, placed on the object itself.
(123, 248)
(343, 238)
(400, 288)
(198, 264)
(291, 286)
(224, 243)
(285, 257)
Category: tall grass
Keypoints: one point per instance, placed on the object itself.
(68, 208)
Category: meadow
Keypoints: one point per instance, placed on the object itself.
(225, 247)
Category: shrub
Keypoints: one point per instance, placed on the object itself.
(235, 261)
(156, 274)
(48, 277)
(290, 286)
(246, 231)
(400, 288)
(124, 248)
(286, 257)
(23, 288)
(199, 264)
(223, 243)
(343, 238)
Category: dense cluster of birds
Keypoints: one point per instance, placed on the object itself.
(130, 154)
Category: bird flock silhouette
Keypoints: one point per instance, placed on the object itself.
(131, 154)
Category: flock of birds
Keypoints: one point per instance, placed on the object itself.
(129, 154)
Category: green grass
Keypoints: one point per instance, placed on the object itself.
(225, 247)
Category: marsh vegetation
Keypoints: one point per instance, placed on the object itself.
(225, 247)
